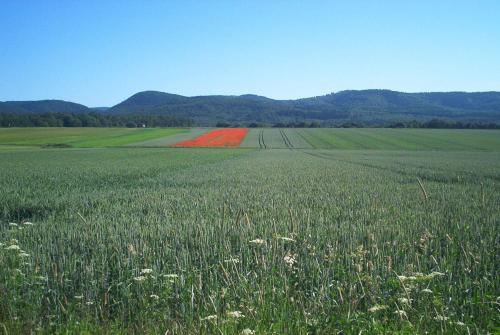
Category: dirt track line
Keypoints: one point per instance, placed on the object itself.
(285, 139)
(262, 144)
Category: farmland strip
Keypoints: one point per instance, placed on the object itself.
(225, 137)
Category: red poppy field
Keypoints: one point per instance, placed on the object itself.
(225, 137)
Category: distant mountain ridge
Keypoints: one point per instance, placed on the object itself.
(369, 106)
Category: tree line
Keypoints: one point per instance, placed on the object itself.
(434, 123)
(91, 119)
(94, 119)
(444, 124)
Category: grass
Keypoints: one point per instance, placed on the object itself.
(403, 139)
(300, 241)
(83, 137)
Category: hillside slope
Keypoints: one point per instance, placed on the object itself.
(365, 105)
(42, 106)
(369, 106)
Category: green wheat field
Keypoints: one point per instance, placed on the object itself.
(298, 231)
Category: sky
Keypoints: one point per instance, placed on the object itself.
(98, 53)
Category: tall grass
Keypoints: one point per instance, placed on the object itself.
(237, 241)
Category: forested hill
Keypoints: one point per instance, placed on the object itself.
(42, 106)
(367, 106)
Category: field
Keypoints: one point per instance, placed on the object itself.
(83, 137)
(383, 139)
(393, 231)
(275, 139)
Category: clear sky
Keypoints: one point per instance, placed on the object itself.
(100, 52)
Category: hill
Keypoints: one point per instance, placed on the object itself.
(367, 106)
(42, 106)
(370, 106)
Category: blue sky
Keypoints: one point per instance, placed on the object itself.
(100, 52)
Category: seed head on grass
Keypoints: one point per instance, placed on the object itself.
(441, 318)
(235, 314)
(146, 271)
(257, 241)
(13, 247)
(233, 260)
(404, 301)
(286, 239)
(377, 308)
(171, 276)
(140, 279)
(290, 259)
(209, 318)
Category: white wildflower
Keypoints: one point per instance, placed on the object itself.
(440, 318)
(171, 276)
(12, 224)
(402, 278)
(154, 296)
(146, 271)
(377, 308)
(209, 318)
(235, 314)
(257, 241)
(400, 312)
(89, 303)
(460, 323)
(23, 254)
(140, 279)
(232, 260)
(404, 301)
(27, 223)
(426, 290)
(79, 297)
(247, 331)
(436, 274)
(13, 247)
(290, 259)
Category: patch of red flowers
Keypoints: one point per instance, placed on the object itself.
(223, 137)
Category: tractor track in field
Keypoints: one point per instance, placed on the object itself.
(262, 144)
(287, 141)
